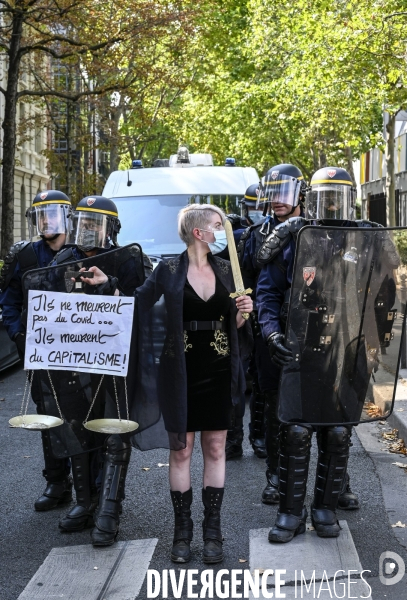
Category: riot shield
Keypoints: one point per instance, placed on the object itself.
(345, 326)
(83, 396)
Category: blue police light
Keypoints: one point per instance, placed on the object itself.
(137, 164)
(230, 162)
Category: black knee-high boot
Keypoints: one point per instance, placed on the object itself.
(81, 515)
(295, 445)
(212, 499)
(183, 526)
(333, 457)
(270, 493)
(116, 461)
(56, 472)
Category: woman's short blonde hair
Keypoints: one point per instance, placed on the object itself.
(196, 216)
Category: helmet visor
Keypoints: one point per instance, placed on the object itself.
(280, 189)
(333, 201)
(90, 230)
(48, 220)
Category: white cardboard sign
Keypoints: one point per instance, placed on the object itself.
(78, 332)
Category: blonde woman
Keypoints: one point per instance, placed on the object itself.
(200, 375)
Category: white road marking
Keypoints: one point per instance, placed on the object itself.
(70, 572)
(310, 556)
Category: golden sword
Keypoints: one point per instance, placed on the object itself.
(234, 261)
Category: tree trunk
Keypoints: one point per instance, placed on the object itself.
(9, 137)
(390, 174)
(114, 138)
(349, 163)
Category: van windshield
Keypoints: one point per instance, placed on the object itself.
(151, 221)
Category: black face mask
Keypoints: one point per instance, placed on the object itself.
(88, 240)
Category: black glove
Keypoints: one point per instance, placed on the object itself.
(108, 288)
(19, 340)
(279, 354)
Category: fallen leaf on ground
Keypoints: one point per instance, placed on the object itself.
(95, 568)
(399, 524)
(26, 456)
(399, 409)
(145, 468)
(400, 465)
(242, 559)
(391, 435)
(260, 571)
(310, 528)
(163, 465)
(398, 447)
(2, 399)
(373, 410)
(382, 422)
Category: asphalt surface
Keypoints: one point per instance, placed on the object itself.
(26, 537)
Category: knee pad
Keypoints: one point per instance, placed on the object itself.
(295, 439)
(335, 439)
(115, 444)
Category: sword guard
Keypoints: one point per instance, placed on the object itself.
(243, 293)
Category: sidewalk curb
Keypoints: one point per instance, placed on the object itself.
(398, 420)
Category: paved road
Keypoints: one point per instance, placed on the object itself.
(28, 537)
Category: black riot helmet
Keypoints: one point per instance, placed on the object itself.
(95, 224)
(249, 204)
(49, 214)
(282, 186)
(331, 195)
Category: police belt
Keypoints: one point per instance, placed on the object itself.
(203, 325)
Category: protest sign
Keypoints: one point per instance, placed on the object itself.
(78, 332)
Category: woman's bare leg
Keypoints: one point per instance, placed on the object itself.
(213, 449)
(180, 466)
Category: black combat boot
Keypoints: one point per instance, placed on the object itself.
(81, 515)
(270, 493)
(116, 461)
(333, 457)
(56, 472)
(257, 421)
(347, 499)
(212, 499)
(183, 528)
(234, 440)
(295, 445)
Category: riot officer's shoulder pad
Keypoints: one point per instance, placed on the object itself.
(10, 263)
(242, 242)
(148, 265)
(294, 224)
(270, 248)
(16, 249)
(64, 255)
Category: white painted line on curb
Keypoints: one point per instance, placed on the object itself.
(78, 572)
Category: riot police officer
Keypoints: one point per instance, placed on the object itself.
(264, 422)
(95, 226)
(48, 217)
(330, 200)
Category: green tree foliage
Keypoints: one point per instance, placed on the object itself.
(301, 81)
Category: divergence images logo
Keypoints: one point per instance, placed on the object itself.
(388, 562)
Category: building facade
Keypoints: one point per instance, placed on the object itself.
(373, 180)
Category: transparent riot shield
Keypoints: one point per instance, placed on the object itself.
(78, 396)
(345, 325)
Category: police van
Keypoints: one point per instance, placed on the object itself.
(148, 200)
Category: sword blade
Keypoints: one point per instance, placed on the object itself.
(234, 261)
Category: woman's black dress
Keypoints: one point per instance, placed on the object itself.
(208, 366)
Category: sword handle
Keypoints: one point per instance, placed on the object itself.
(245, 316)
